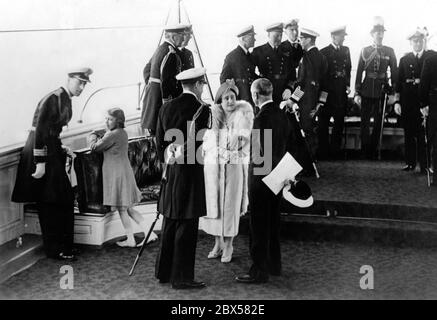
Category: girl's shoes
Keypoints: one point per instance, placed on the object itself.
(215, 253)
(129, 243)
(227, 255)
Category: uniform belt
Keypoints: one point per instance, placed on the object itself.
(413, 81)
(156, 80)
(375, 75)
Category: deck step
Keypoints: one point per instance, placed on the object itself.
(16, 257)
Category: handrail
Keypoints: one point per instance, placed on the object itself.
(111, 87)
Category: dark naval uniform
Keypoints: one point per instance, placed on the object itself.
(408, 82)
(239, 66)
(295, 54)
(273, 65)
(187, 59)
(53, 192)
(163, 86)
(374, 61)
(312, 81)
(338, 80)
(182, 199)
(428, 97)
(264, 217)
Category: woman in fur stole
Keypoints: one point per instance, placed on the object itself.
(226, 149)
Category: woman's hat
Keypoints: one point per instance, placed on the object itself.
(298, 193)
(229, 84)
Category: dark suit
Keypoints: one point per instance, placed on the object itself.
(52, 193)
(162, 84)
(428, 97)
(410, 69)
(182, 199)
(374, 62)
(239, 66)
(264, 215)
(338, 80)
(274, 66)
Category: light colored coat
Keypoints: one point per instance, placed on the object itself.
(226, 155)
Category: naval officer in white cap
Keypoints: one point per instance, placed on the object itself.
(41, 175)
(182, 199)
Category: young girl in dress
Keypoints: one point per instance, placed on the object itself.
(119, 187)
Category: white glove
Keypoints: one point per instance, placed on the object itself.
(357, 100)
(286, 94)
(425, 111)
(398, 109)
(348, 90)
(40, 170)
(68, 151)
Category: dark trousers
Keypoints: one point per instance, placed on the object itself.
(177, 252)
(265, 249)
(432, 145)
(370, 108)
(57, 228)
(330, 147)
(414, 135)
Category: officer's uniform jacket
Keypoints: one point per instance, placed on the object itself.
(374, 61)
(43, 145)
(407, 88)
(274, 66)
(183, 194)
(295, 55)
(239, 66)
(428, 91)
(339, 72)
(187, 59)
(312, 81)
(163, 86)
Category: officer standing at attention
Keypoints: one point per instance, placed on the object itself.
(407, 103)
(239, 65)
(374, 61)
(272, 61)
(182, 199)
(163, 86)
(293, 49)
(41, 175)
(338, 87)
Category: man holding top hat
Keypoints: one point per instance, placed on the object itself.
(271, 129)
(41, 175)
(338, 87)
(182, 199)
(407, 104)
(272, 61)
(165, 65)
(370, 92)
(239, 65)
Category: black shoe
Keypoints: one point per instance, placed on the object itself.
(188, 285)
(164, 280)
(249, 279)
(408, 168)
(66, 257)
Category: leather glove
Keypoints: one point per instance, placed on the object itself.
(40, 170)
